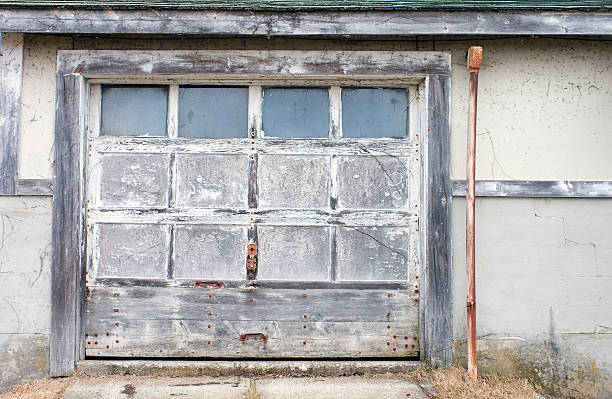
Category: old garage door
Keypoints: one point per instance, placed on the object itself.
(250, 221)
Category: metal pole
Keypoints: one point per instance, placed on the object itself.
(474, 64)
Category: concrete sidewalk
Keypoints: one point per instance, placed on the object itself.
(243, 388)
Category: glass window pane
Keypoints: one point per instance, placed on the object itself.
(213, 112)
(296, 112)
(130, 110)
(374, 113)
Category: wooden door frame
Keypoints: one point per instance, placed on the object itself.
(76, 69)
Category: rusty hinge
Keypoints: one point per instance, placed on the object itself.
(251, 262)
(212, 284)
(262, 336)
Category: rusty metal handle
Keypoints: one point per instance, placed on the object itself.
(244, 337)
(213, 284)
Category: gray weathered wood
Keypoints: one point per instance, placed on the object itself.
(254, 63)
(285, 217)
(310, 23)
(34, 187)
(243, 284)
(11, 71)
(221, 338)
(534, 188)
(267, 304)
(67, 243)
(436, 300)
(173, 321)
(367, 147)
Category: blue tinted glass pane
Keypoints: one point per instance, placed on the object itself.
(213, 112)
(134, 110)
(295, 112)
(374, 113)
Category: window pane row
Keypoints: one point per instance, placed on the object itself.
(222, 112)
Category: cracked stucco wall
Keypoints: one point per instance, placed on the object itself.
(25, 285)
(544, 265)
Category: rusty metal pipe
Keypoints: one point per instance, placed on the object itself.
(474, 64)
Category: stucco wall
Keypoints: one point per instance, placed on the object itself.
(25, 285)
(544, 266)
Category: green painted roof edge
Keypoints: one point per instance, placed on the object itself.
(314, 4)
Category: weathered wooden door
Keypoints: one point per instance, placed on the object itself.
(252, 222)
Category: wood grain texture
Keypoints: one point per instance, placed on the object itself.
(254, 62)
(34, 187)
(340, 322)
(534, 188)
(366, 147)
(11, 71)
(67, 234)
(436, 299)
(289, 5)
(300, 23)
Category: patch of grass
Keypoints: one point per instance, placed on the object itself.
(45, 389)
(454, 383)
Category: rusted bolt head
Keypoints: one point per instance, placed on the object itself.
(252, 249)
(251, 299)
(251, 264)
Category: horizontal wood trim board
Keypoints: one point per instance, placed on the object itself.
(344, 146)
(195, 303)
(221, 338)
(266, 63)
(484, 188)
(276, 217)
(535, 188)
(312, 23)
(34, 187)
(253, 284)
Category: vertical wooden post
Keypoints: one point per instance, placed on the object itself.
(474, 64)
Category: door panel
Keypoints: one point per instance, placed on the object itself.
(134, 180)
(132, 250)
(211, 181)
(299, 253)
(209, 252)
(293, 181)
(373, 253)
(373, 182)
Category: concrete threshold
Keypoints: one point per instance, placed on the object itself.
(244, 368)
